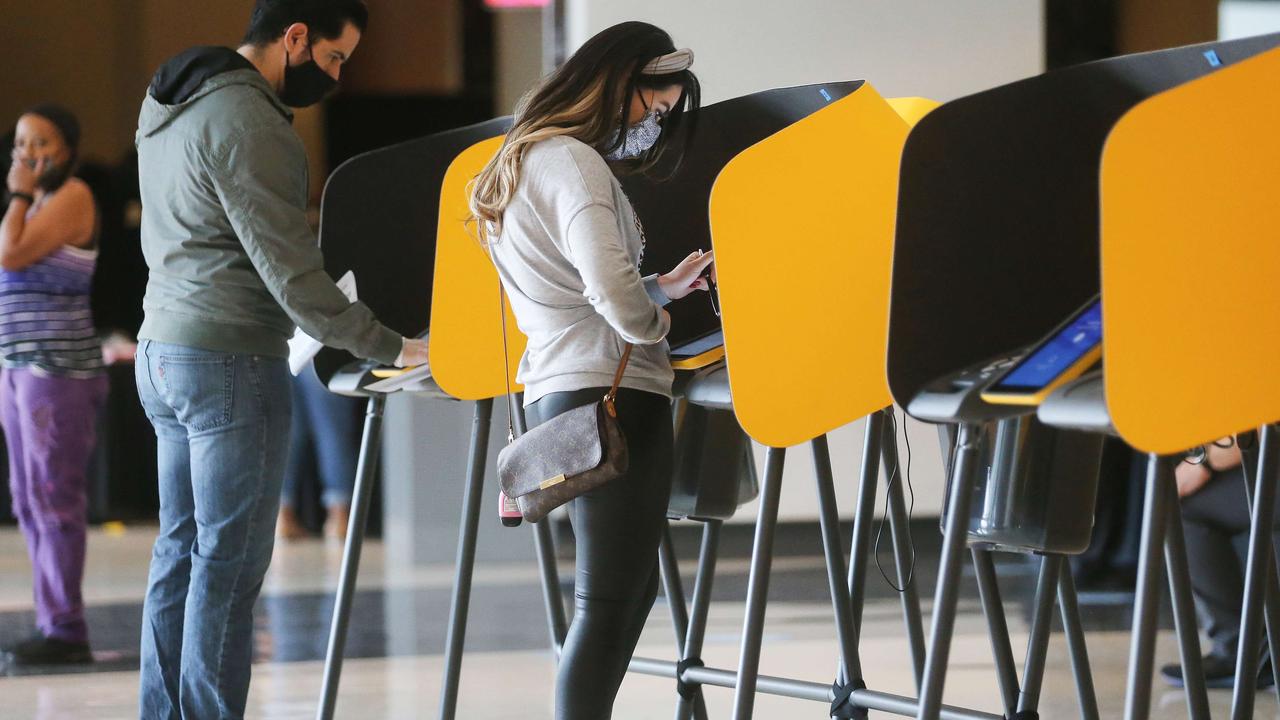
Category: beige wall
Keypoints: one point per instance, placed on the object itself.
(69, 53)
(517, 55)
(412, 47)
(97, 57)
(904, 47)
(1143, 25)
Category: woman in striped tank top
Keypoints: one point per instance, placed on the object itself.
(53, 382)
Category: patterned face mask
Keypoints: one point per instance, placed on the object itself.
(638, 139)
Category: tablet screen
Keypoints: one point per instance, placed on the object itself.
(1060, 352)
(694, 348)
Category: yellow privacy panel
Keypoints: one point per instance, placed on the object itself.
(911, 109)
(802, 224)
(466, 330)
(1191, 260)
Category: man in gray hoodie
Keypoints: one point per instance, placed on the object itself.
(234, 267)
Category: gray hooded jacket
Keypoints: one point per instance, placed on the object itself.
(234, 266)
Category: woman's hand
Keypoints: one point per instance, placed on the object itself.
(1191, 478)
(687, 276)
(22, 177)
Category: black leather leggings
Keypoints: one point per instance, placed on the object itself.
(618, 527)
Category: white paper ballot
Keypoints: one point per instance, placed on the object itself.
(303, 347)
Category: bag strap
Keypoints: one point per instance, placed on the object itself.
(609, 397)
(617, 378)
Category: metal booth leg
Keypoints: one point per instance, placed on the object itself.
(1038, 642)
(674, 591)
(1248, 443)
(1272, 609)
(1076, 646)
(863, 518)
(758, 585)
(846, 634)
(1184, 611)
(692, 651)
(997, 629)
(945, 595)
(1257, 569)
(465, 562)
(363, 490)
(1155, 517)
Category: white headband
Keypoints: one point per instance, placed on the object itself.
(670, 63)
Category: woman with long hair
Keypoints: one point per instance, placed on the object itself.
(53, 382)
(568, 245)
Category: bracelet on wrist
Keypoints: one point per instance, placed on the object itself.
(22, 196)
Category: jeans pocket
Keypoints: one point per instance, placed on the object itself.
(199, 388)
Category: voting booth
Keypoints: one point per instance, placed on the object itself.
(802, 229)
(378, 221)
(1001, 200)
(1166, 391)
(789, 379)
(795, 142)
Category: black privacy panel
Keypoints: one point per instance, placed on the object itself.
(997, 231)
(378, 218)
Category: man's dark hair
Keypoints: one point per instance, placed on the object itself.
(325, 19)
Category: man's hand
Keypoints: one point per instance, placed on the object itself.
(412, 353)
(687, 276)
(1191, 478)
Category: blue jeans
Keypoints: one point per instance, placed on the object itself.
(325, 443)
(221, 423)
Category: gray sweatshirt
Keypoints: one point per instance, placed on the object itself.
(568, 257)
(234, 265)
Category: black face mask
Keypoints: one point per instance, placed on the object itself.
(305, 84)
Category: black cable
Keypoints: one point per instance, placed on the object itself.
(892, 478)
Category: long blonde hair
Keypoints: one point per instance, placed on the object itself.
(586, 99)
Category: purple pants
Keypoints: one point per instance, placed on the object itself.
(49, 425)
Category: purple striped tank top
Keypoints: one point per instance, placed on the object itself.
(45, 319)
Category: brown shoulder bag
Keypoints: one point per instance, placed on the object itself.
(566, 456)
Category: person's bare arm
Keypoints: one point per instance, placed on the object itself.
(65, 219)
(1191, 477)
(1218, 458)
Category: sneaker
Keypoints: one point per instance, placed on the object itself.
(41, 650)
(1219, 673)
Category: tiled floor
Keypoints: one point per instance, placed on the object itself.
(398, 631)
